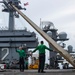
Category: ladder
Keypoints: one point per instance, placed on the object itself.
(59, 49)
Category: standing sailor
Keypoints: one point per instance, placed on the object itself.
(22, 55)
(41, 49)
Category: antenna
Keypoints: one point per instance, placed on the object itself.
(40, 23)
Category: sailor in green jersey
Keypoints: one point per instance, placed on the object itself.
(41, 48)
(22, 55)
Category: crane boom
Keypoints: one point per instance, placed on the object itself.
(59, 49)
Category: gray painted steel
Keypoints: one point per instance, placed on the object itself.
(11, 39)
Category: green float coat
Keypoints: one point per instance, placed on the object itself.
(21, 53)
(42, 48)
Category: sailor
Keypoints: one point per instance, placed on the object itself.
(22, 55)
(41, 48)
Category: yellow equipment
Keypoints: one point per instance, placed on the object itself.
(34, 64)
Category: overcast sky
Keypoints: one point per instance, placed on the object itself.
(60, 12)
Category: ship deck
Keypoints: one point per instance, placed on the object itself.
(34, 72)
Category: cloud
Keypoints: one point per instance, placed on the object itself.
(1, 21)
